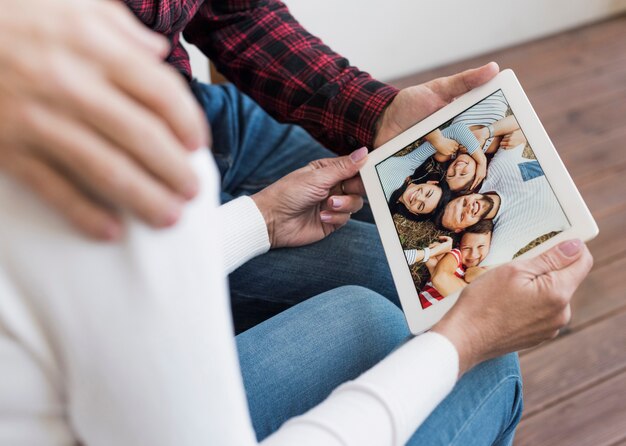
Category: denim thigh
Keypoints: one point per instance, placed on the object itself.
(293, 361)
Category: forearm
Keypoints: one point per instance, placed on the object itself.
(446, 283)
(414, 255)
(480, 158)
(505, 126)
(289, 72)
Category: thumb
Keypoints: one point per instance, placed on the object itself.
(555, 259)
(453, 86)
(334, 170)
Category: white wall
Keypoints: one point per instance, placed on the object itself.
(392, 38)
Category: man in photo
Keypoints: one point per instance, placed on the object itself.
(517, 197)
(450, 273)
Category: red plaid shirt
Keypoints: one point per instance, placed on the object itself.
(261, 48)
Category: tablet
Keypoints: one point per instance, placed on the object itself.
(474, 185)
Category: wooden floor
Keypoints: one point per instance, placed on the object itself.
(575, 386)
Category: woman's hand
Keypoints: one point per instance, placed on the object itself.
(513, 139)
(90, 117)
(446, 146)
(517, 305)
(310, 203)
(481, 168)
(413, 104)
(443, 246)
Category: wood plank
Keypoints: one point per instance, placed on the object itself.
(596, 83)
(559, 56)
(601, 157)
(601, 294)
(610, 243)
(595, 417)
(548, 380)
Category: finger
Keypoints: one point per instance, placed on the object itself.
(569, 278)
(452, 86)
(136, 130)
(119, 17)
(91, 218)
(555, 259)
(332, 171)
(354, 186)
(475, 183)
(345, 203)
(106, 172)
(150, 82)
(336, 219)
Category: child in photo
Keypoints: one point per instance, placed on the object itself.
(460, 266)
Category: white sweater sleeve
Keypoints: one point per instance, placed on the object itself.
(386, 404)
(245, 232)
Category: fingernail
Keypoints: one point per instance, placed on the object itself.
(336, 202)
(173, 214)
(325, 217)
(358, 154)
(112, 231)
(190, 189)
(571, 247)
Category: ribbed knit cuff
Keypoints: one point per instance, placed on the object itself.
(244, 232)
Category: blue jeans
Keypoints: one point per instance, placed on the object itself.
(293, 361)
(252, 150)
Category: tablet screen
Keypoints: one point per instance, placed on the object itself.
(468, 195)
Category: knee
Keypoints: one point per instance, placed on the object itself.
(503, 374)
(366, 314)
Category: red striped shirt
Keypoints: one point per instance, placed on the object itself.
(429, 294)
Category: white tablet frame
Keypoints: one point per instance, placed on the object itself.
(582, 223)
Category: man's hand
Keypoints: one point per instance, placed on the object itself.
(513, 139)
(90, 116)
(310, 203)
(517, 305)
(413, 104)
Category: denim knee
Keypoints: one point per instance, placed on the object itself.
(367, 312)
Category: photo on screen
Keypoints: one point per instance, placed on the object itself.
(467, 196)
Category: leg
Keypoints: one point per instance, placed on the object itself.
(483, 409)
(252, 150)
(275, 281)
(293, 361)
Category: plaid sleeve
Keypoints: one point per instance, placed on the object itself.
(260, 47)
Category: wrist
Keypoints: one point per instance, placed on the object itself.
(464, 339)
(263, 204)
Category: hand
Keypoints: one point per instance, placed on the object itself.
(473, 272)
(513, 139)
(413, 104)
(481, 172)
(91, 118)
(517, 305)
(446, 146)
(443, 246)
(309, 204)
